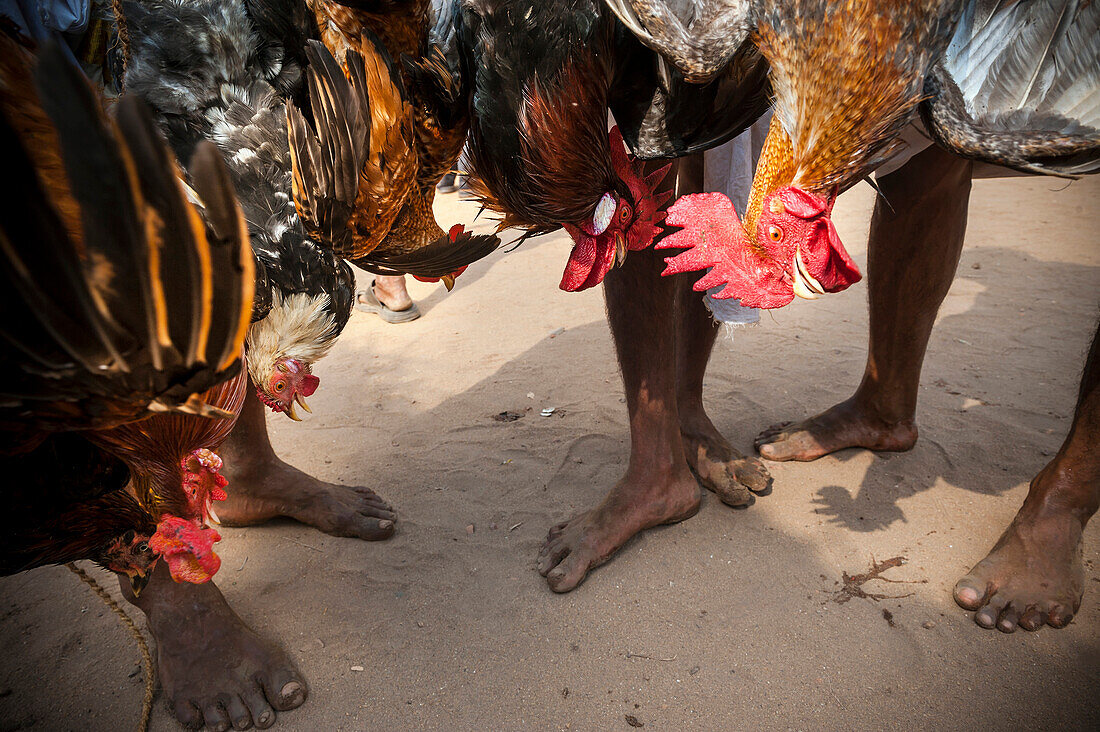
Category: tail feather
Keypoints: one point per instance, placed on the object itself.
(442, 257)
(233, 276)
(110, 313)
(181, 273)
(102, 178)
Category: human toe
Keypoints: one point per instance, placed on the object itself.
(552, 552)
(187, 713)
(970, 592)
(569, 573)
(215, 716)
(989, 613)
(238, 713)
(261, 713)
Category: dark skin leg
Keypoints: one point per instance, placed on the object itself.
(213, 668)
(916, 236)
(717, 464)
(1033, 576)
(262, 487)
(658, 487)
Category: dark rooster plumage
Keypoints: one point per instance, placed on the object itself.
(540, 151)
(390, 119)
(137, 317)
(211, 72)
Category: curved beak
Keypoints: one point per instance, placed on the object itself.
(302, 400)
(620, 248)
(291, 413)
(138, 583)
(805, 286)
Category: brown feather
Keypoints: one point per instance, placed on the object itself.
(847, 76)
(19, 103)
(565, 152)
(153, 448)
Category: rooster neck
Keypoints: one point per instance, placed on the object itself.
(775, 169)
(299, 326)
(847, 77)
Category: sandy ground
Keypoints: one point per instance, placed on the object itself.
(731, 620)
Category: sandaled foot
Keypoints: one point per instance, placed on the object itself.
(265, 489)
(388, 299)
(1032, 577)
(214, 670)
(722, 469)
(576, 547)
(842, 426)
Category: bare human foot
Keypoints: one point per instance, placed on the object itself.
(1032, 577)
(918, 225)
(721, 468)
(214, 670)
(269, 489)
(577, 546)
(263, 487)
(847, 424)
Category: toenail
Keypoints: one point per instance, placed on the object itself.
(385, 524)
(265, 719)
(291, 691)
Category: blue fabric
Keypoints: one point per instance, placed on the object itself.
(47, 20)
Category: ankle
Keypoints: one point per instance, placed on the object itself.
(890, 413)
(1058, 491)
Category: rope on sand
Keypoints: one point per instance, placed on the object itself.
(125, 619)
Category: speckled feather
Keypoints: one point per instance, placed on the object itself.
(1019, 85)
(209, 74)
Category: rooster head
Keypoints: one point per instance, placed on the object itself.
(130, 555)
(289, 383)
(795, 231)
(625, 220)
(795, 249)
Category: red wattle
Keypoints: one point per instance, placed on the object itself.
(308, 385)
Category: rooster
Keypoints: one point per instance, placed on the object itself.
(1009, 83)
(210, 71)
(382, 138)
(847, 78)
(121, 325)
(540, 152)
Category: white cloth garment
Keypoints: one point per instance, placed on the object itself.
(729, 169)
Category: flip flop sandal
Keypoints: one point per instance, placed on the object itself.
(368, 302)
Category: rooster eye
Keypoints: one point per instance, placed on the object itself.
(142, 547)
(775, 233)
(279, 386)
